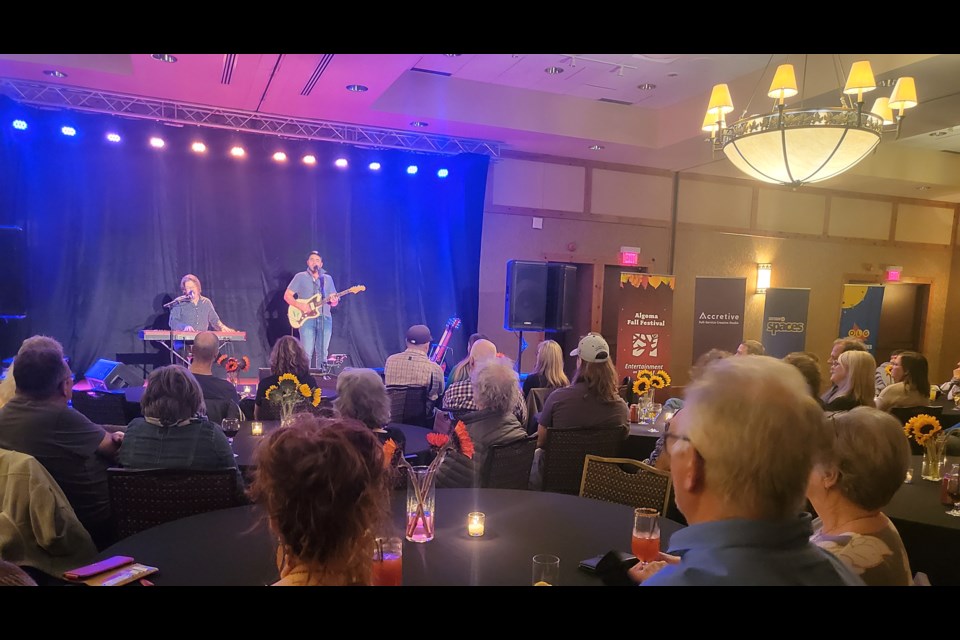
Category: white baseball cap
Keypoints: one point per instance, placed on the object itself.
(592, 348)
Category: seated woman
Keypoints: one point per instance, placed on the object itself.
(911, 383)
(810, 369)
(855, 477)
(362, 396)
(287, 356)
(323, 486)
(174, 433)
(548, 372)
(463, 369)
(853, 374)
(495, 390)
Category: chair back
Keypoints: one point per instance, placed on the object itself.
(903, 414)
(536, 398)
(220, 408)
(626, 481)
(101, 407)
(508, 465)
(144, 498)
(566, 449)
(408, 405)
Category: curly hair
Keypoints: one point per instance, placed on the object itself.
(172, 395)
(288, 356)
(362, 396)
(495, 385)
(323, 486)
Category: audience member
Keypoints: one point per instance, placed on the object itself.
(911, 384)
(39, 422)
(809, 369)
(548, 371)
(459, 400)
(751, 348)
(362, 397)
(853, 479)
(463, 369)
(7, 386)
(324, 488)
(413, 368)
(287, 356)
(220, 397)
(884, 375)
(496, 389)
(173, 432)
(950, 388)
(840, 345)
(741, 452)
(853, 375)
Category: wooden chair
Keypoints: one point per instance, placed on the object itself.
(626, 481)
(408, 405)
(903, 414)
(144, 498)
(566, 449)
(508, 465)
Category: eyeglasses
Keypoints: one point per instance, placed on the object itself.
(668, 435)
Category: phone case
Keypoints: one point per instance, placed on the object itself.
(89, 570)
(122, 576)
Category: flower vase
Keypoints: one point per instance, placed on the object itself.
(234, 378)
(421, 499)
(286, 413)
(932, 468)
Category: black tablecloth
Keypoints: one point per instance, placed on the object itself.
(234, 547)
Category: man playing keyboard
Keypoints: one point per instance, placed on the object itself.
(192, 311)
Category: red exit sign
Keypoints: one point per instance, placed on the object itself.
(629, 258)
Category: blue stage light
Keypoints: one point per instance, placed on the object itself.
(442, 173)
(113, 137)
(68, 131)
(412, 169)
(20, 125)
(374, 166)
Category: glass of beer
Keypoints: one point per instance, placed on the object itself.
(646, 534)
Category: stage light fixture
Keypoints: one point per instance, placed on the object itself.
(309, 159)
(20, 125)
(341, 163)
(198, 147)
(280, 156)
(157, 143)
(237, 152)
(68, 131)
(374, 166)
(113, 137)
(412, 169)
(442, 173)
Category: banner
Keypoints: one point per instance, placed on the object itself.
(860, 313)
(718, 305)
(645, 322)
(785, 321)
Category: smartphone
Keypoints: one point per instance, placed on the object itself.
(607, 561)
(98, 567)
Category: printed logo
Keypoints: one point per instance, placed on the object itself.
(645, 343)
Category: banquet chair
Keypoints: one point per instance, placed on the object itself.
(903, 414)
(408, 405)
(626, 481)
(536, 398)
(101, 407)
(566, 449)
(508, 465)
(144, 498)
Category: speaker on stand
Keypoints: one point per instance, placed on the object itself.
(539, 297)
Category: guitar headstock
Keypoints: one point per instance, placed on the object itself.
(453, 323)
(357, 288)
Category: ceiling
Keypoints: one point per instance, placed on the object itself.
(642, 109)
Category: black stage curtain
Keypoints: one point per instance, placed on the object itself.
(112, 227)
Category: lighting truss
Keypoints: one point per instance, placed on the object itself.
(180, 113)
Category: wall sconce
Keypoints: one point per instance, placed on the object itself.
(763, 277)
(892, 273)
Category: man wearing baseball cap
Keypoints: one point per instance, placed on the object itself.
(413, 367)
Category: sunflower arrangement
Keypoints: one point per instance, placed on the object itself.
(922, 428)
(644, 382)
(289, 392)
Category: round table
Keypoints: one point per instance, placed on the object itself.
(234, 547)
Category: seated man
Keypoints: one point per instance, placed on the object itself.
(884, 375)
(73, 450)
(751, 348)
(459, 398)
(412, 367)
(220, 396)
(741, 454)
(952, 386)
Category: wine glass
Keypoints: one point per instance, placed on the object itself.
(953, 491)
(646, 534)
(231, 427)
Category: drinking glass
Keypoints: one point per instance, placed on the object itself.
(953, 491)
(388, 562)
(230, 426)
(546, 570)
(646, 534)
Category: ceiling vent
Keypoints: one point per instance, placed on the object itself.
(321, 67)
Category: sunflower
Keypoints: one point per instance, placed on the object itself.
(305, 390)
(888, 370)
(270, 390)
(664, 377)
(317, 394)
(922, 428)
(644, 373)
(289, 376)
(641, 385)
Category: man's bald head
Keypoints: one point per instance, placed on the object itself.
(205, 347)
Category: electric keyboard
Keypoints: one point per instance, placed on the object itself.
(188, 336)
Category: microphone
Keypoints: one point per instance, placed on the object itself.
(177, 301)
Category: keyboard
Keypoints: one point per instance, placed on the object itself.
(188, 336)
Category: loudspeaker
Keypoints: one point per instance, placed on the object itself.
(525, 307)
(13, 259)
(561, 302)
(107, 375)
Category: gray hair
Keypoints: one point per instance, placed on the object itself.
(758, 430)
(495, 385)
(172, 395)
(870, 455)
(362, 396)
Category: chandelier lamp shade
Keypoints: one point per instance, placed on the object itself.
(793, 147)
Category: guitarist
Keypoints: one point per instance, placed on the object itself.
(314, 333)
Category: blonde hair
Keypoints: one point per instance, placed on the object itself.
(7, 387)
(480, 350)
(550, 364)
(859, 383)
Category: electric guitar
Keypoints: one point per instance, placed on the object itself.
(441, 349)
(316, 302)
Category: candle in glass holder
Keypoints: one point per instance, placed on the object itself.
(256, 428)
(475, 524)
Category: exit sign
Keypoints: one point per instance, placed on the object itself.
(629, 258)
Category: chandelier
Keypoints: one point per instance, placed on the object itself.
(799, 146)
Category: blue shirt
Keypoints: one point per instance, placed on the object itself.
(200, 316)
(751, 552)
(305, 287)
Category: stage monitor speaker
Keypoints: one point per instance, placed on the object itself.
(107, 375)
(525, 308)
(13, 260)
(561, 296)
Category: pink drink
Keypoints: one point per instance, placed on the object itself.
(646, 549)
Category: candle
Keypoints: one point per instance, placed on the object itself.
(256, 428)
(475, 524)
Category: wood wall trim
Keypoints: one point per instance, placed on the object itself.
(892, 236)
(596, 310)
(568, 215)
(590, 164)
(786, 235)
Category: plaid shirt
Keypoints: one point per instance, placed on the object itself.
(459, 397)
(414, 368)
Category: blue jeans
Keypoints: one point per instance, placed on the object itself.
(315, 336)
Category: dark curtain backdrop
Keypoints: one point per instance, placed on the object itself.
(111, 229)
